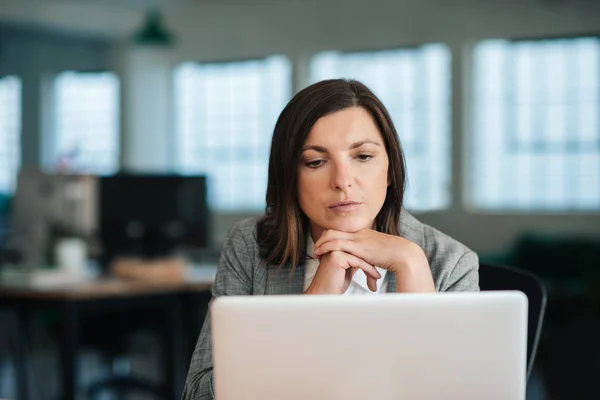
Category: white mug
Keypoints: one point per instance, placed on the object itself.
(71, 254)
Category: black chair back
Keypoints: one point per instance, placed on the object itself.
(500, 277)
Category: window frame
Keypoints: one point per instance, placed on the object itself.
(447, 181)
(178, 128)
(50, 145)
(19, 130)
(468, 134)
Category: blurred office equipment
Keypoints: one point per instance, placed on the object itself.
(568, 264)
(499, 277)
(49, 207)
(569, 353)
(106, 305)
(5, 205)
(572, 357)
(137, 217)
(152, 216)
(145, 223)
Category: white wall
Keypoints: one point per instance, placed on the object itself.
(146, 109)
(230, 30)
(300, 27)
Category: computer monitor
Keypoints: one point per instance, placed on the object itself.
(151, 216)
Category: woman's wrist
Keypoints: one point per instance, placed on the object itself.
(411, 255)
(412, 271)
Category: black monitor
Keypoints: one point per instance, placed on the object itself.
(151, 216)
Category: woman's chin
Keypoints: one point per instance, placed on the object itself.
(350, 226)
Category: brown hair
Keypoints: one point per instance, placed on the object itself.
(281, 231)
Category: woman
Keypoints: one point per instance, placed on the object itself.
(334, 222)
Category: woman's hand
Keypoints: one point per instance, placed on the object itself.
(393, 253)
(335, 272)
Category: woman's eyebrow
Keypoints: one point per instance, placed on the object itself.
(358, 144)
(355, 145)
(320, 149)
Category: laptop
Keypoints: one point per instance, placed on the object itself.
(396, 346)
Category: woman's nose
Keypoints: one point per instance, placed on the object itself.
(341, 177)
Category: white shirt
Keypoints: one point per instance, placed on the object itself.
(359, 280)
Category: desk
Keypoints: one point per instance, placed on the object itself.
(70, 301)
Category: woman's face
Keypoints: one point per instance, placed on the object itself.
(343, 172)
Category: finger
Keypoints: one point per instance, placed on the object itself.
(334, 245)
(355, 248)
(350, 273)
(368, 269)
(331, 234)
(371, 283)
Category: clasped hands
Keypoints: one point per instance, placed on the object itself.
(341, 254)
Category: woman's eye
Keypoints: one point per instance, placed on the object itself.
(364, 157)
(314, 164)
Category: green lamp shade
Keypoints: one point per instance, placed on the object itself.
(153, 32)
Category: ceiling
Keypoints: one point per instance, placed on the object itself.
(104, 18)
(119, 18)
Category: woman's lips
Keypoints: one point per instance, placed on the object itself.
(345, 206)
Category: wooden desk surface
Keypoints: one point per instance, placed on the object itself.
(105, 288)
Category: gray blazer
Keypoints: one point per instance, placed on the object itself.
(240, 272)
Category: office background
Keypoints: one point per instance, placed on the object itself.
(497, 103)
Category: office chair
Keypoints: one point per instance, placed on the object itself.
(499, 277)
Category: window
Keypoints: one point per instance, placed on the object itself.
(10, 132)
(414, 85)
(87, 122)
(536, 128)
(225, 115)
